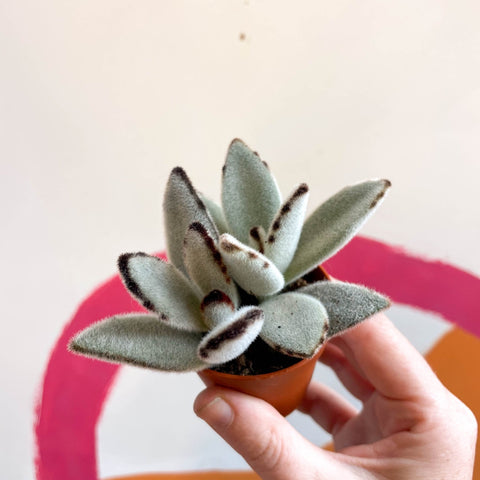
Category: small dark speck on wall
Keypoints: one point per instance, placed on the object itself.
(242, 37)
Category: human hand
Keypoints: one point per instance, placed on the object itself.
(411, 427)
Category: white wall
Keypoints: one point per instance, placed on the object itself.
(99, 100)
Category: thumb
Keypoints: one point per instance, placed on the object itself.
(270, 445)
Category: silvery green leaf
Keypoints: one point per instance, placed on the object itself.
(160, 287)
(257, 238)
(230, 339)
(141, 340)
(254, 272)
(295, 324)
(217, 308)
(347, 304)
(204, 263)
(181, 207)
(285, 230)
(216, 214)
(250, 195)
(333, 224)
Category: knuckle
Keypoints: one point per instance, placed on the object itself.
(449, 411)
(467, 418)
(462, 418)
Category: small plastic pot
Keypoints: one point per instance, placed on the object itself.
(283, 389)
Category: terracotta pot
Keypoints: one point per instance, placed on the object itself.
(283, 389)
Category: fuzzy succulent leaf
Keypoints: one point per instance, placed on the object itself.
(160, 287)
(231, 338)
(347, 304)
(181, 207)
(256, 238)
(204, 263)
(333, 224)
(217, 308)
(254, 272)
(250, 195)
(141, 340)
(216, 213)
(285, 230)
(295, 324)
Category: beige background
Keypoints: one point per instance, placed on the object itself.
(99, 100)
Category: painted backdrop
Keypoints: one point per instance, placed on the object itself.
(100, 100)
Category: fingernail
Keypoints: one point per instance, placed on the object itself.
(217, 413)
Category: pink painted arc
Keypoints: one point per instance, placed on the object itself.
(428, 285)
(74, 391)
(75, 388)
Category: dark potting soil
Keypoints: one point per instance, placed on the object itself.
(258, 359)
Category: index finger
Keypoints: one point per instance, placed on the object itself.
(388, 360)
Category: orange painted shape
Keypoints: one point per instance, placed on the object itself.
(218, 475)
(456, 359)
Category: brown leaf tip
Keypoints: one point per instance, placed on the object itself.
(216, 296)
(180, 172)
(130, 283)
(199, 228)
(301, 190)
(243, 149)
(182, 175)
(233, 331)
(240, 143)
(210, 244)
(386, 185)
(229, 247)
(254, 233)
(237, 141)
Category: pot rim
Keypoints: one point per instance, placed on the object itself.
(261, 376)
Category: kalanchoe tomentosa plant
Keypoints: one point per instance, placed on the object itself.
(238, 274)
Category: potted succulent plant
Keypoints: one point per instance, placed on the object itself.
(242, 297)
